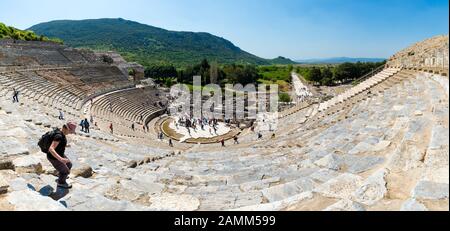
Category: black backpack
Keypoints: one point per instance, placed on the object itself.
(46, 140)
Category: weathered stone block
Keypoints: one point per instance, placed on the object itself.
(426, 190)
(28, 164)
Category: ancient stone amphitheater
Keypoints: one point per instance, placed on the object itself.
(381, 145)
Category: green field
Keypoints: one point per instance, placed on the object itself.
(276, 74)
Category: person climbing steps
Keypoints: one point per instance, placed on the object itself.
(54, 144)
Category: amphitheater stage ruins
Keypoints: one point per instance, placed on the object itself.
(381, 145)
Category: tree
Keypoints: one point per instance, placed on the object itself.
(315, 75)
(214, 73)
(327, 77)
(160, 72)
(169, 82)
(16, 36)
(345, 72)
(205, 72)
(204, 64)
(241, 74)
(290, 67)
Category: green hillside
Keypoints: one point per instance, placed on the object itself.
(146, 44)
(8, 32)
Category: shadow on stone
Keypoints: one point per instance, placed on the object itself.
(59, 194)
(31, 187)
(47, 191)
(63, 203)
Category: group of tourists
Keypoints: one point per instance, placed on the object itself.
(193, 123)
(84, 124)
(301, 90)
(145, 127)
(161, 137)
(303, 94)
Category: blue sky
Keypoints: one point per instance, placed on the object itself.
(268, 28)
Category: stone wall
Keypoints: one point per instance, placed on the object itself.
(430, 53)
(123, 65)
(24, 53)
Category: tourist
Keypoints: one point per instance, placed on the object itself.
(82, 125)
(61, 115)
(273, 135)
(260, 136)
(236, 141)
(86, 126)
(222, 141)
(188, 123)
(170, 143)
(132, 126)
(111, 129)
(54, 145)
(143, 128)
(15, 96)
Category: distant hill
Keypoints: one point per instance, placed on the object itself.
(147, 44)
(339, 60)
(282, 61)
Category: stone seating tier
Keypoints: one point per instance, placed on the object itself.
(128, 105)
(357, 147)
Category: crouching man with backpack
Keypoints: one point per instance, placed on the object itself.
(54, 145)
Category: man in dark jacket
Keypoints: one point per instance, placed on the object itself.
(86, 126)
(56, 155)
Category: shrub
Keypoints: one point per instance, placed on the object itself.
(285, 98)
(11, 32)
